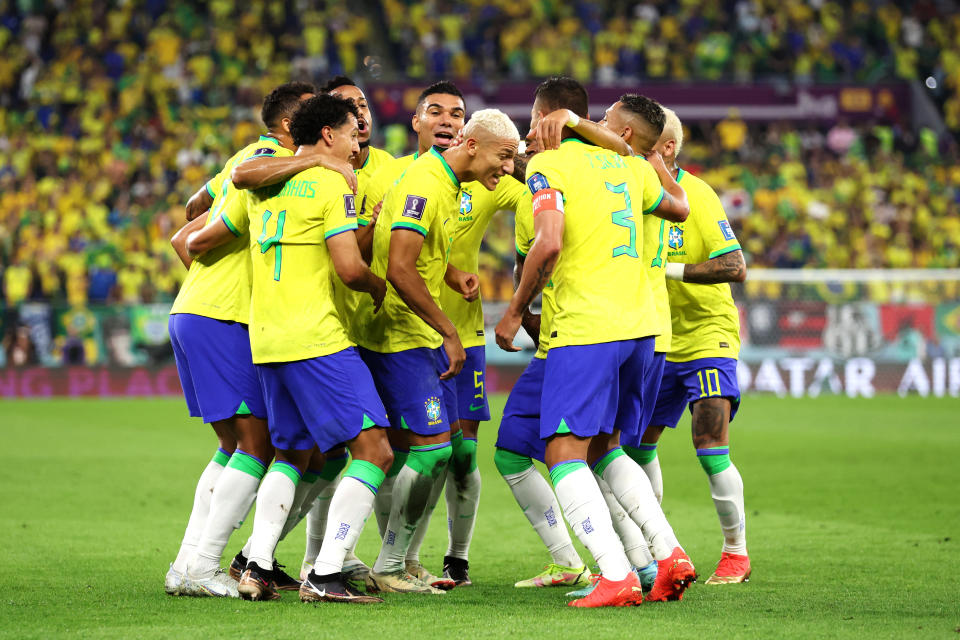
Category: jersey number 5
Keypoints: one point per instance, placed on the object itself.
(624, 218)
(273, 242)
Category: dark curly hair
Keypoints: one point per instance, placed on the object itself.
(336, 82)
(322, 110)
(650, 110)
(561, 92)
(282, 101)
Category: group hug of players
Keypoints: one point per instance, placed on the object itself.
(332, 306)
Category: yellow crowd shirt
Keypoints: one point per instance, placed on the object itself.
(477, 207)
(600, 280)
(218, 282)
(703, 316)
(423, 201)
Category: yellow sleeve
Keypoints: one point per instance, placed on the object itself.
(417, 211)
(341, 212)
(374, 190)
(652, 189)
(523, 224)
(234, 212)
(544, 172)
(508, 193)
(718, 237)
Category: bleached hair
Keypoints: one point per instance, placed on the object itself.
(494, 122)
(672, 129)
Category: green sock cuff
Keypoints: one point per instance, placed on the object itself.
(221, 457)
(464, 457)
(429, 459)
(367, 473)
(332, 467)
(714, 459)
(601, 465)
(288, 470)
(399, 459)
(310, 476)
(644, 454)
(561, 470)
(509, 463)
(243, 461)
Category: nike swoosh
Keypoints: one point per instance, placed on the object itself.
(476, 408)
(322, 594)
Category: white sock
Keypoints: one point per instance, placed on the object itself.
(232, 499)
(349, 509)
(413, 551)
(317, 522)
(198, 515)
(306, 494)
(726, 489)
(587, 513)
(631, 536)
(274, 503)
(463, 500)
(410, 489)
(536, 499)
(632, 488)
(652, 469)
(382, 503)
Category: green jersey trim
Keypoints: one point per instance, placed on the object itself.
(680, 173)
(209, 190)
(362, 223)
(409, 225)
(339, 230)
(656, 204)
(520, 253)
(230, 226)
(269, 139)
(446, 166)
(725, 250)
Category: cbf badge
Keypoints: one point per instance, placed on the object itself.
(433, 410)
(675, 238)
(466, 203)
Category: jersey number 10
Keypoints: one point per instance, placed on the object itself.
(273, 242)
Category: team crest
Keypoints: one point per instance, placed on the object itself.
(675, 237)
(466, 203)
(433, 410)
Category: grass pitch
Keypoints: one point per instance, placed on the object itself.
(853, 528)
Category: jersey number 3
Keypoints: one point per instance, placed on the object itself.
(624, 218)
(273, 242)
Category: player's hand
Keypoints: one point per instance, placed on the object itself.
(455, 354)
(531, 324)
(375, 214)
(378, 293)
(457, 139)
(463, 282)
(550, 129)
(507, 329)
(342, 167)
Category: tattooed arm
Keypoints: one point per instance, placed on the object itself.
(537, 269)
(729, 267)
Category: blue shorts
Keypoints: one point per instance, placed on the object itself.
(468, 387)
(409, 383)
(520, 428)
(651, 382)
(684, 383)
(215, 367)
(325, 401)
(595, 388)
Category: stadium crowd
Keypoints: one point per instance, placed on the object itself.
(106, 130)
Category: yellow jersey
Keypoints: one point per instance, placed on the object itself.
(600, 280)
(704, 318)
(477, 207)
(218, 282)
(375, 187)
(292, 313)
(524, 234)
(423, 201)
(654, 234)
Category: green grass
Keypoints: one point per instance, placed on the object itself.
(853, 527)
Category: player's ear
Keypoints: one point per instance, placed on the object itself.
(415, 122)
(627, 133)
(285, 124)
(327, 134)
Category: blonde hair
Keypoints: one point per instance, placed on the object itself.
(672, 129)
(492, 121)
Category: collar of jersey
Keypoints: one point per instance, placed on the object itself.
(572, 140)
(450, 172)
(680, 173)
(269, 139)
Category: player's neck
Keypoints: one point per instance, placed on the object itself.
(362, 157)
(283, 138)
(459, 162)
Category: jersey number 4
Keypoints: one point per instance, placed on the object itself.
(624, 218)
(273, 242)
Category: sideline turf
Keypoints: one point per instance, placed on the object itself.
(853, 528)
